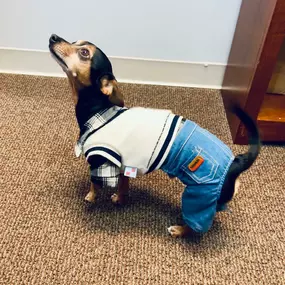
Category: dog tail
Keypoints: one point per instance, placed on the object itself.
(244, 161)
(241, 162)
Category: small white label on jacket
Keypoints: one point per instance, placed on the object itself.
(77, 150)
(131, 171)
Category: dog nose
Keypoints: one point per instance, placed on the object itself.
(54, 38)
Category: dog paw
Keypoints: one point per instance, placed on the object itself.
(90, 198)
(176, 231)
(117, 200)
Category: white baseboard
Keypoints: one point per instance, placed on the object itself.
(129, 70)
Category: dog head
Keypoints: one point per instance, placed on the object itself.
(87, 67)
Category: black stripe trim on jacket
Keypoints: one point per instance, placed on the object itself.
(94, 131)
(104, 149)
(165, 144)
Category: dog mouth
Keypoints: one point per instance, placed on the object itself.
(55, 50)
(58, 58)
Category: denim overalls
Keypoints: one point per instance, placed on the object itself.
(203, 184)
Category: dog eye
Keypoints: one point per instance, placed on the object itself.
(84, 52)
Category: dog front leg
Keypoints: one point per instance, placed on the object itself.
(91, 195)
(120, 197)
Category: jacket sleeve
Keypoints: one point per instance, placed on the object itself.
(105, 165)
(106, 174)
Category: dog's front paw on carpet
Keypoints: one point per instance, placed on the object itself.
(90, 197)
(118, 200)
(176, 231)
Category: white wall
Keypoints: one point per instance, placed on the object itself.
(181, 43)
(181, 30)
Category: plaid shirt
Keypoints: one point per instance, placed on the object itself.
(106, 174)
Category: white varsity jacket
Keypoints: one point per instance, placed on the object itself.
(119, 137)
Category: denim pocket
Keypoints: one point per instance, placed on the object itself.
(206, 172)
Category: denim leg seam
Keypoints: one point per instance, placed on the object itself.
(183, 146)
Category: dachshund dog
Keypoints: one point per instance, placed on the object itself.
(119, 143)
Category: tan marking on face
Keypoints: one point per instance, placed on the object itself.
(74, 64)
(79, 68)
(79, 42)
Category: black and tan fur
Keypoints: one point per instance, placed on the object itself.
(94, 88)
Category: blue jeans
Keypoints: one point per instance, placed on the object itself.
(204, 184)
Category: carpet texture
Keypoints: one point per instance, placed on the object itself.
(49, 236)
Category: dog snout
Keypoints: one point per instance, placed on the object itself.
(55, 39)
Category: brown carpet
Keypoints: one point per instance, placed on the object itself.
(49, 236)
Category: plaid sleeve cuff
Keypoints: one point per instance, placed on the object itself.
(107, 175)
(105, 182)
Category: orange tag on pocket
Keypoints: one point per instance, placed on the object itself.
(195, 163)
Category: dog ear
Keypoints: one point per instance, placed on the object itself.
(111, 89)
